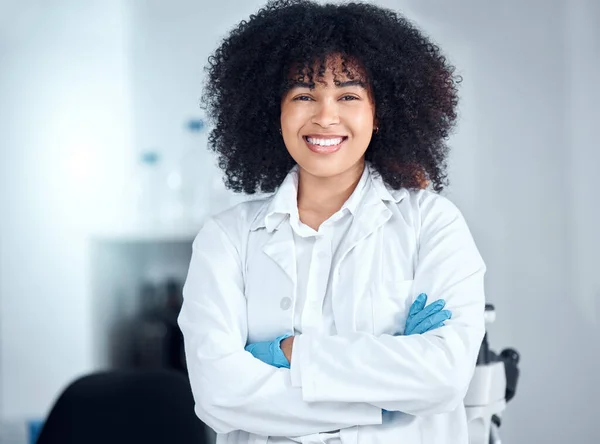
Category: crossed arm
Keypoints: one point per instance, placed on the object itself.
(417, 374)
(420, 319)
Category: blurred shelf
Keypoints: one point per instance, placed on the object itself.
(158, 234)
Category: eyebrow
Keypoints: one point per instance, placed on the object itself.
(337, 84)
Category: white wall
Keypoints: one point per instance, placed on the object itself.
(583, 70)
(523, 172)
(64, 132)
(583, 62)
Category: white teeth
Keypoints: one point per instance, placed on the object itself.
(325, 142)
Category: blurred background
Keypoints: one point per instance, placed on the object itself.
(105, 180)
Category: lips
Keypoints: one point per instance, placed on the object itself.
(324, 144)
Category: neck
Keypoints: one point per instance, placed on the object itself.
(326, 195)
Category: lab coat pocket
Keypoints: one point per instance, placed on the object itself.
(391, 301)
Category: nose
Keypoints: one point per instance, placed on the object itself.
(326, 113)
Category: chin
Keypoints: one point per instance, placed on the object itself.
(324, 168)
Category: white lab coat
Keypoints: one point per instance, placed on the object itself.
(401, 243)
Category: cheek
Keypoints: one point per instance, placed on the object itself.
(291, 122)
(362, 125)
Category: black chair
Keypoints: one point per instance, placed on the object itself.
(125, 407)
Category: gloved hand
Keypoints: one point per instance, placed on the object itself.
(422, 319)
(270, 352)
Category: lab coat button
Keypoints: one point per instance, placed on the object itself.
(286, 303)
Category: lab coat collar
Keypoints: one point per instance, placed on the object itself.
(283, 204)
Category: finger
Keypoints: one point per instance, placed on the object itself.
(417, 305)
(442, 316)
(428, 311)
(433, 320)
(431, 309)
(433, 327)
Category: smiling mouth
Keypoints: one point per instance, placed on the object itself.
(325, 145)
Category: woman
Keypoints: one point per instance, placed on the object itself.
(304, 314)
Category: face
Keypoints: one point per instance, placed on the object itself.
(327, 129)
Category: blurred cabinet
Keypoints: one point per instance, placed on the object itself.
(136, 284)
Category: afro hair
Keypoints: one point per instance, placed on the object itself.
(412, 84)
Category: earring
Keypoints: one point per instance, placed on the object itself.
(280, 131)
(376, 130)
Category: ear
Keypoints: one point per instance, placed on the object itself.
(375, 125)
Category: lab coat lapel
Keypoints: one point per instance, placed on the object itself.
(280, 248)
(371, 214)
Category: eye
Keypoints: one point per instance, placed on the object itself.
(302, 98)
(348, 98)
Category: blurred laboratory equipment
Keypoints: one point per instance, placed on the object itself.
(197, 173)
(176, 186)
(147, 189)
(493, 385)
(158, 342)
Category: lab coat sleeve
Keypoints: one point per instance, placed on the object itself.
(232, 389)
(417, 374)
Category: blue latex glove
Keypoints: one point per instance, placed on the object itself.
(270, 352)
(422, 319)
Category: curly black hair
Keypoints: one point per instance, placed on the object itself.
(413, 86)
